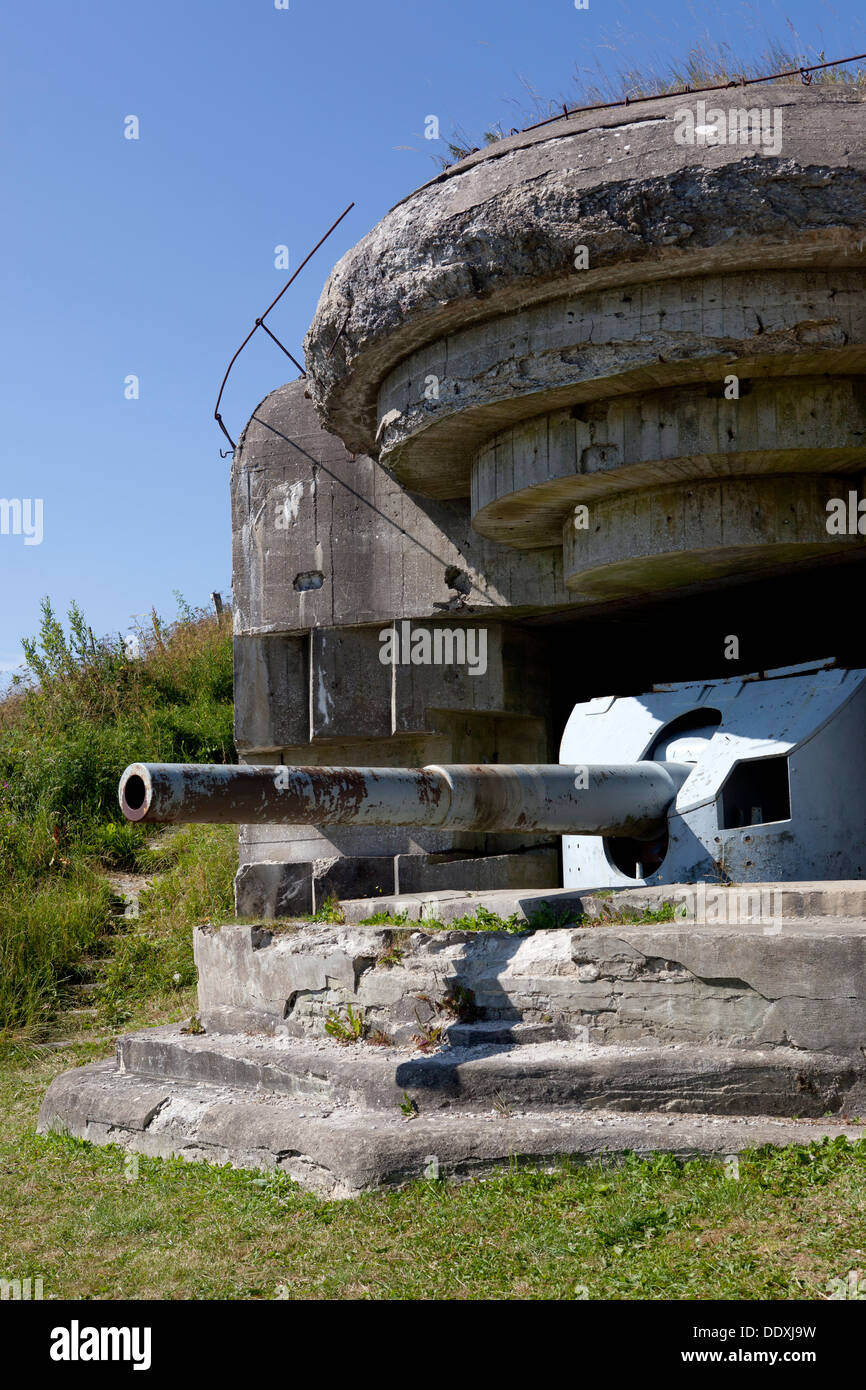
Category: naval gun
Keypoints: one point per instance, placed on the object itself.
(611, 799)
(756, 778)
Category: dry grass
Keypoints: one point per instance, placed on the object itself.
(708, 63)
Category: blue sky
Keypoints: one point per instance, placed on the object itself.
(152, 257)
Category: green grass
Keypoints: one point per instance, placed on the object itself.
(151, 959)
(645, 1230)
(92, 1225)
(82, 711)
(546, 918)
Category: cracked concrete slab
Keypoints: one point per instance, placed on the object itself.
(803, 986)
(341, 1152)
(474, 1069)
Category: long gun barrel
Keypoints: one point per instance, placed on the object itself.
(620, 799)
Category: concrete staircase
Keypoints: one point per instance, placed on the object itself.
(341, 1120)
(484, 1048)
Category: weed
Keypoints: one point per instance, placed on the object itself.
(429, 1037)
(391, 955)
(408, 1107)
(330, 911)
(459, 1003)
(348, 1030)
(546, 918)
(194, 1026)
(629, 916)
(482, 919)
(82, 711)
(705, 64)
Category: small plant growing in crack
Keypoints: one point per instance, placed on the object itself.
(194, 1026)
(379, 1039)
(548, 919)
(722, 869)
(502, 1106)
(408, 1107)
(391, 956)
(348, 1030)
(428, 1038)
(459, 1003)
(330, 911)
(629, 916)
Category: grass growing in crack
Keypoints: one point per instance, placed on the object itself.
(330, 911)
(547, 917)
(428, 1037)
(502, 1106)
(482, 919)
(459, 1002)
(350, 1029)
(629, 916)
(391, 954)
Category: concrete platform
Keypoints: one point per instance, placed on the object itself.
(778, 1081)
(340, 1150)
(711, 904)
(799, 983)
(680, 1037)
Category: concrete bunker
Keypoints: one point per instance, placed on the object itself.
(693, 379)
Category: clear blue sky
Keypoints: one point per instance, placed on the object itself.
(153, 257)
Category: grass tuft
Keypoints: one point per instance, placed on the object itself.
(707, 63)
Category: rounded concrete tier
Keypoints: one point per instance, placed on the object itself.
(687, 332)
(525, 476)
(691, 534)
(559, 319)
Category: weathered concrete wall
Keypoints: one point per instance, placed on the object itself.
(310, 684)
(496, 235)
(803, 986)
(559, 319)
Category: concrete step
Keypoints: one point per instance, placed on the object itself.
(654, 984)
(339, 1150)
(704, 904)
(724, 1081)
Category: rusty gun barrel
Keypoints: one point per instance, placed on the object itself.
(618, 799)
